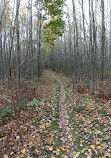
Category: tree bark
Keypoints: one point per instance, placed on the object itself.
(18, 44)
(103, 42)
(39, 40)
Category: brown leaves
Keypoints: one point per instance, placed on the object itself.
(5, 156)
(75, 130)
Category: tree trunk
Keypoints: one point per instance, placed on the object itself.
(103, 42)
(74, 28)
(39, 41)
(18, 44)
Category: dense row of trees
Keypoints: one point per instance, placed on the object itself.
(84, 51)
(72, 39)
(25, 34)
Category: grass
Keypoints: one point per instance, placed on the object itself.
(56, 114)
(55, 125)
(103, 112)
(58, 142)
(46, 118)
(78, 108)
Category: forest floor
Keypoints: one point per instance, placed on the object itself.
(50, 119)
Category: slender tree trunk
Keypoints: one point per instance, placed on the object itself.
(69, 46)
(110, 46)
(84, 41)
(92, 42)
(84, 31)
(103, 42)
(74, 28)
(1, 52)
(18, 44)
(30, 39)
(39, 41)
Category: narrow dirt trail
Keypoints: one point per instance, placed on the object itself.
(67, 130)
(56, 123)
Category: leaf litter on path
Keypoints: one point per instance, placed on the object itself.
(67, 125)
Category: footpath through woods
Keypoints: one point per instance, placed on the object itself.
(67, 130)
(54, 122)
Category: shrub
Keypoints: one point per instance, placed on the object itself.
(78, 108)
(82, 88)
(104, 90)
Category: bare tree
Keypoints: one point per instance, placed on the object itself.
(39, 39)
(18, 44)
(102, 42)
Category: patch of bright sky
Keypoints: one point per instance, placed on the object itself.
(24, 3)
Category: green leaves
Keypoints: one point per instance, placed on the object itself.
(88, 100)
(78, 108)
(55, 125)
(35, 102)
(48, 136)
(54, 7)
(52, 29)
(55, 26)
(8, 111)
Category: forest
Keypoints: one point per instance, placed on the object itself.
(55, 78)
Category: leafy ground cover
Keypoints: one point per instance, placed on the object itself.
(91, 123)
(49, 119)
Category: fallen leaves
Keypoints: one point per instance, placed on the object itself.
(99, 147)
(23, 151)
(108, 154)
(5, 156)
(81, 133)
(36, 151)
(31, 143)
(62, 148)
(58, 151)
(51, 148)
(92, 146)
(74, 153)
(18, 137)
(42, 126)
(92, 127)
(53, 156)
